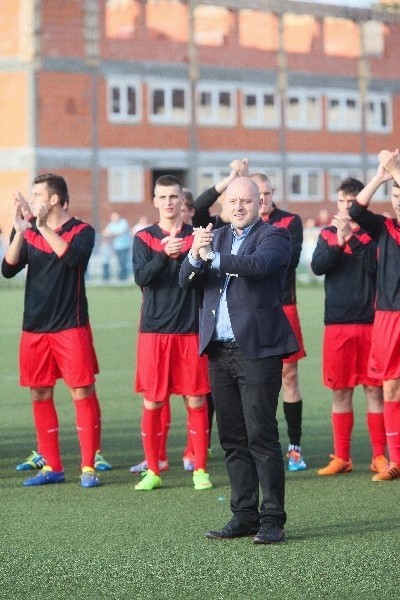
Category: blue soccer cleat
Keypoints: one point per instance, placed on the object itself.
(100, 463)
(89, 478)
(34, 461)
(44, 477)
(296, 461)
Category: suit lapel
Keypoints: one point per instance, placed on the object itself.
(247, 240)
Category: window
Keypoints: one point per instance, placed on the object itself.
(343, 111)
(336, 177)
(304, 184)
(169, 103)
(260, 108)
(209, 177)
(378, 113)
(124, 100)
(303, 110)
(216, 105)
(125, 184)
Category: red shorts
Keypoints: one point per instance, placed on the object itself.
(67, 354)
(384, 360)
(170, 364)
(293, 316)
(345, 356)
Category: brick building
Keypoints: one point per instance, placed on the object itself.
(113, 93)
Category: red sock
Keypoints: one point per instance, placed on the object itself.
(198, 431)
(98, 430)
(151, 437)
(391, 412)
(87, 425)
(377, 433)
(46, 422)
(165, 425)
(342, 428)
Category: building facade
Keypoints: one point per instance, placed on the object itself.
(113, 93)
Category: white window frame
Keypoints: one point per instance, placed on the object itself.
(342, 123)
(125, 184)
(377, 100)
(303, 121)
(341, 174)
(123, 83)
(169, 117)
(259, 118)
(214, 118)
(304, 194)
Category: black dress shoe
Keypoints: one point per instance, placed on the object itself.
(269, 534)
(233, 529)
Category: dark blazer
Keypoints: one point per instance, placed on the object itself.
(254, 294)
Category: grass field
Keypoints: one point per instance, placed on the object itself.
(64, 542)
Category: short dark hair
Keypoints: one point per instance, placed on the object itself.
(188, 199)
(350, 186)
(167, 180)
(56, 185)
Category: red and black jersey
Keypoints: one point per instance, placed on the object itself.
(350, 276)
(386, 232)
(55, 297)
(166, 308)
(292, 222)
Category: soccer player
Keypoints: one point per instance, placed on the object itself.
(167, 351)
(292, 398)
(346, 255)
(384, 362)
(56, 340)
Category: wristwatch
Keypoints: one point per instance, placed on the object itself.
(210, 256)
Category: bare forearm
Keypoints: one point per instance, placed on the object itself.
(364, 197)
(58, 245)
(14, 250)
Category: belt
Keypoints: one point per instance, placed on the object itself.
(232, 345)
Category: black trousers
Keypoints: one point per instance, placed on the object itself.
(245, 394)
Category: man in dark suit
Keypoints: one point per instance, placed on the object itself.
(245, 333)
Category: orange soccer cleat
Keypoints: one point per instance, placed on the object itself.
(379, 464)
(391, 472)
(335, 466)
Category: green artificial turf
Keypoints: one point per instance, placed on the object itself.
(343, 534)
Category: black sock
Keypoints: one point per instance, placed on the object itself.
(293, 415)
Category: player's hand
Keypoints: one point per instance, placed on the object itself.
(388, 160)
(40, 211)
(25, 208)
(343, 226)
(172, 244)
(241, 166)
(20, 223)
(202, 238)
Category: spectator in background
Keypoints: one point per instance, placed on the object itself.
(141, 224)
(323, 219)
(118, 232)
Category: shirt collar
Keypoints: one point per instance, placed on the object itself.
(245, 231)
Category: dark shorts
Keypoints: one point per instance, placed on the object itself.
(293, 316)
(170, 364)
(345, 356)
(384, 361)
(67, 354)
